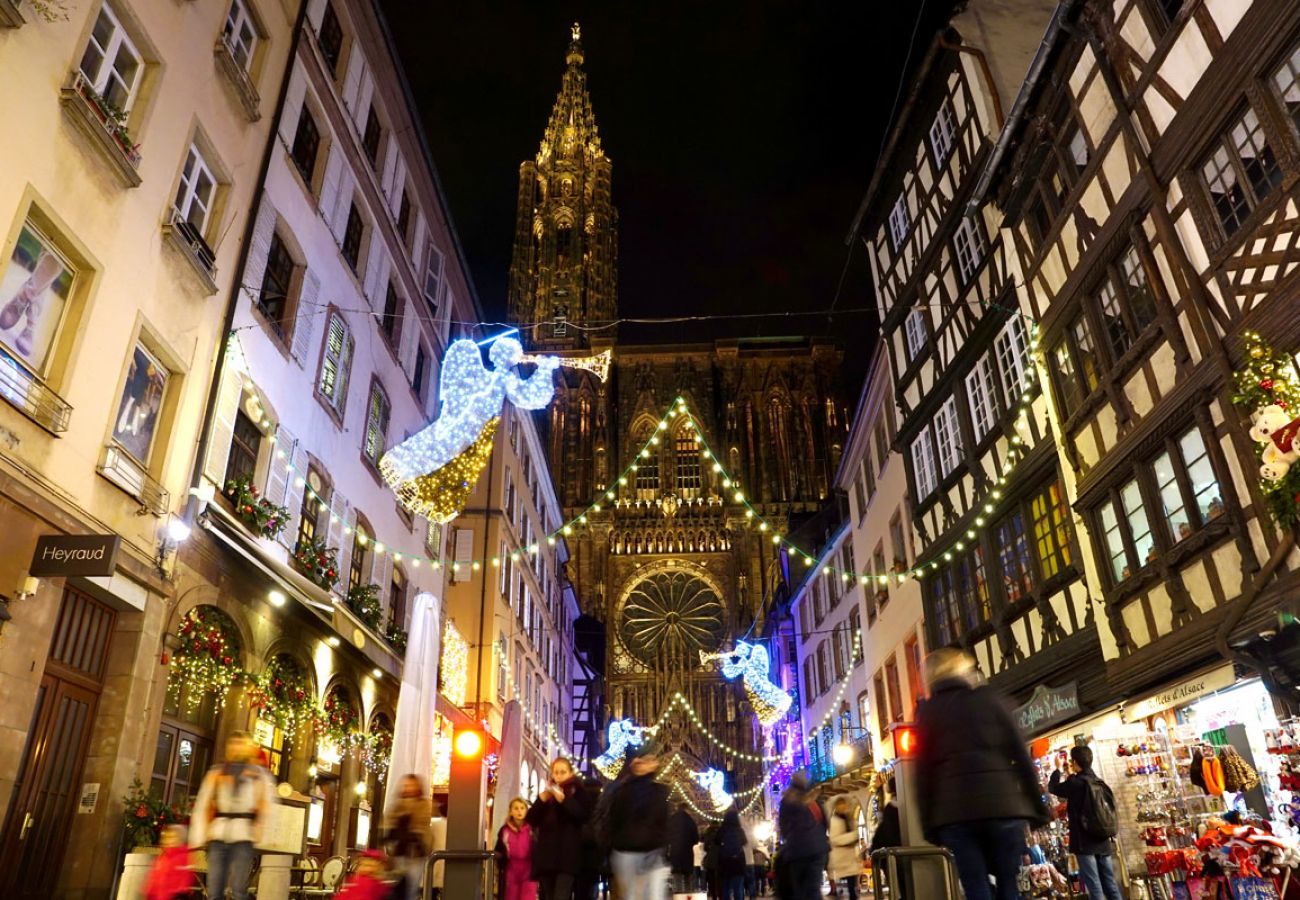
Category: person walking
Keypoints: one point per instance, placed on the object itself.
(844, 863)
(804, 848)
(712, 883)
(638, 830)
(1090, 810)
(514, 851)
(731, 841)
(593, 861)
(408, 831)
(229, 810)
(976, 784)
(683, 835)
(557, 817)
(889, 833)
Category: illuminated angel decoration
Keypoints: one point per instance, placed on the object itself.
(768, 700)
(622, 734)
(712, 781)
(433, 472)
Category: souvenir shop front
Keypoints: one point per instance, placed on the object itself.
(1203, 774)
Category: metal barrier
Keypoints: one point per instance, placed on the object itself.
(460, 856)
(885, 862)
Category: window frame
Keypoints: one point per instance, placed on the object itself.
(969, 248)
(982, 397)
(244, 447)
(945, 121)
(354, 233)
(306, 146)
(924, 464)
(374, 437)
(947, 438)
(278, 313)
(187, 194)
(239, 14)
(340, 360)
(915, 333)
(118, 41)
(900, 221)
(330, 38)
(1251, 200)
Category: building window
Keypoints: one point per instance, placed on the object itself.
(418, 371)
(855, 633)
(1052, 530)
(969, 245)
(336, 363)
(1012, 347)
(313, 504)
(687, 447)
(404, 216)
(915, 681)
(647, 473)
(923, 464)
(397, 599)
(1126, 302)
(943, 131)
(195, 192)
(899, 222)
(823, 670)
(1014, 557)
(818, 601)
(245, 445)
(140, 406)
(359, 563)
(376, 436)
(981, 392)
(1075, 366)
(352, 237)
(860, 498)
(882, 705)
(868, 478)
(1241, 172)
(947, 434)
(864, 710)
(35, 288)
(391, 319)
(330, 38)
(880, 570)
(432, 277)
(111, 63)
(277, 280)
(370, 137)
(895, 690)
(306, 145)
(945, 606)
(897, 540)
(914, 329)
(240, 34)
(1287, 81)
(974, 589)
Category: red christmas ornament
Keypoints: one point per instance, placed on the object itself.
(1266, 383)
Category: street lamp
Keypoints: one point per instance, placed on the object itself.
(843, 754)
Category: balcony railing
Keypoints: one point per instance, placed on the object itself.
(31, 396)
(190, 243)
(104, 125)
(119, 468)
(239, 79)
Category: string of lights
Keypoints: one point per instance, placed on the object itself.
(834, 706)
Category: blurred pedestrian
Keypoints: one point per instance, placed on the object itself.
(712, 882)
(557, 817)
(975, 781)
(889, 833)
(229, 811)
(408, 832)
(1092, 830)
(731, 856)
(370, 880)
(844, 860)
(170, 876)
(683, 835)
(593, 863)
(514, 850)
(804, 848)
(638, 830)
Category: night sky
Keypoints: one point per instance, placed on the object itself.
(743, 136)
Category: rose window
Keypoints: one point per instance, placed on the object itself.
(671, 615)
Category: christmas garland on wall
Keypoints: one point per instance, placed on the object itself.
(1269, 386)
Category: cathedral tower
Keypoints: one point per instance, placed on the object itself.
(564, 268)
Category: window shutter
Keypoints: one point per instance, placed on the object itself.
(306, 314)
(259, 249)
(374, 286)
(382, 577)
(345, 370)
(352, 82)
(464, 554)
(337, 218)
(365, 94)
(292, 109)
(293, 493)
(278, 477)
(223, 426)
(341, 511)
(329, 191)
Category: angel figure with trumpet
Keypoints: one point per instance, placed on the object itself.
(433, 472)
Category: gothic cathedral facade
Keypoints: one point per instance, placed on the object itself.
(671, 563)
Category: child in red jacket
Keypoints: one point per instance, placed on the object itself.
(367, 883)
(171, 875)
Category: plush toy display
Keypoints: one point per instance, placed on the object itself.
(1277, 431)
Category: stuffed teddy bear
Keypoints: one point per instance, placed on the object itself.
(1275, 429)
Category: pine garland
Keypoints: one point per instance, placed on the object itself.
(1271, 379)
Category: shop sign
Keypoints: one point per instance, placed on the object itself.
(1181, 694)
(1047, 707)
(74, 554)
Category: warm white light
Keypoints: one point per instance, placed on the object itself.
(178, 530)
(332, 640)
(378, 673)
(764, 831)
(360, 788)
(843, 754)
(276, 598)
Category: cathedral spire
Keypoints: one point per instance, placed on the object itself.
(572, 128)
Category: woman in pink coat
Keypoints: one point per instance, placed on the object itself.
(515, 855)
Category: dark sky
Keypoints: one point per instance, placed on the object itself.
(742, 137)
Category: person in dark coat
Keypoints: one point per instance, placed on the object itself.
(557, 817)
(638, 830)
(683, 835)
(731, 840)
(889, 833)
(593, 863)
(712, 884)
(1096, 869)
(976, 784)
(804, 845)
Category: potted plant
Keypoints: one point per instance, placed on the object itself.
(363, 600)
(396, 636)
(261, 515)
(145, 816)
(317, 562)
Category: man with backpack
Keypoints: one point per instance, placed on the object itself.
(1090, 808)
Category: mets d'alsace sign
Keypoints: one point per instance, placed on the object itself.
(1047, 707)
(74, 554)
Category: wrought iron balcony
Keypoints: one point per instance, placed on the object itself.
(104, 125)
(119, 468)
(238, 78)
(31, 396)
(190, 243)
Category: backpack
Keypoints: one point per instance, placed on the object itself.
(1097, 818)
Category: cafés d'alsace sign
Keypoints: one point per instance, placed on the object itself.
(1047, 707)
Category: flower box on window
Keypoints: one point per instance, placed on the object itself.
(190, 243)
(105, 126)
(238, 79)
(363, 600)
(263, 517)
(318, 563)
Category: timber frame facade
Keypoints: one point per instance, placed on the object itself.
(1151, 191)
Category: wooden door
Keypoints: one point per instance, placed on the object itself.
(180, 760)
(35, 832)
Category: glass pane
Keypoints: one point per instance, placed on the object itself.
(1287, 80)
(184, 759)
(162, 755)
(1087, 354)
(1171, 497)
(1141, 300)
(1205, 486)
(1140, 528)
(1117, 331)
(1114, 542)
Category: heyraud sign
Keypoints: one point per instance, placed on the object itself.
(1047, 707)
(74, 554)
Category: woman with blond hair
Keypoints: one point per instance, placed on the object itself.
(976, 784)
(409, 832)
